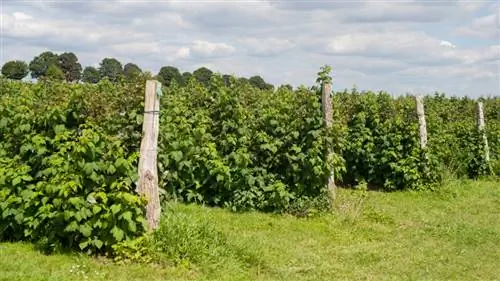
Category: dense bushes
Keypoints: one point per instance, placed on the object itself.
(382, 142)
(454, 138)
(68, 152)
(242, 147)
(65, 181)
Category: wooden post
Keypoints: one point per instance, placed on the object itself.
(148, 169)
(482, 131)
(326, 101)
(421, 121)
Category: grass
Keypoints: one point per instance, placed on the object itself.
(451, 234)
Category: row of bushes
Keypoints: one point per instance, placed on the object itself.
(381, 139)
(64, 180)
(69, 152)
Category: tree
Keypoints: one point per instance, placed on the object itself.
(40, 64)
(70, 66)
(54, 73)
(287, 86)
(131, 70)
(110, 68)
(169, 73)
(227, 79)
(203, 75)
(259, 82)
(15, 69)
(243, 80)
(185, 77)
(91, 75)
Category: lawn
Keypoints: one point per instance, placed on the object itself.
(450, 234)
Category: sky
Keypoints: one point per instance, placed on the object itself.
(401, 47)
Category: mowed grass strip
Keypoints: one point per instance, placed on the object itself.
(450, 234)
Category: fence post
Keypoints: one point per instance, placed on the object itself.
(482, 131)
(421, 121)
(326, 101)
(148, 168)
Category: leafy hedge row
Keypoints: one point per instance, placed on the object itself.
(454, 138)
(68, 152)
(381, 140)
(64, 180)
(242, 147)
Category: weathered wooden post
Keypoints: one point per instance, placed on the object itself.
(482, 130)
(148, 168)
(421, 121)
(326, 101)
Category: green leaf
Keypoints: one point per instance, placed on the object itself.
(73, 226)
(83, 245)
(96, 209)
(86, 230)
(59, 129)
(98, 243)
(127, 216)
(115, 208)
(177, 155)
(117, 233)
(111, 169)
(16, 181)
(132, 226)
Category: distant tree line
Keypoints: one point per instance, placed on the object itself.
(65, 67)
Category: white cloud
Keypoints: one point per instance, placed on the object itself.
(136, 48)
(210, 49)
(182, 53)
(21, 16)
(382, 44)
(66, 32)
(394, 45)
(266, 46)
(447, 44)
(486, 27)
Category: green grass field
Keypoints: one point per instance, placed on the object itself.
(451, 234)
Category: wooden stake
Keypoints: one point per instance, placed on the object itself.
(326, 100)
(421, 121)
(482, 130)
(148, 169)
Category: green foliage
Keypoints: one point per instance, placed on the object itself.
(91, 75)
(182, 238)
(203, 75)
(324, 75)
(259, 82)
(41, 63)
(66, 182)
(68, 152)
(449, 234)
(168, 74)
(15, 69)
(382, 142)
(287, 86)
(110, 68)
(454, 138)
(131, 70)
(241, 147)
(186, 76)
(70, 66)
(53, 73)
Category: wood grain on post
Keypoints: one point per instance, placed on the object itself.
(421, 121)
(148, 169)
(482, 130)
(326, 101)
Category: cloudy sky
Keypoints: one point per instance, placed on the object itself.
(397, 46)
